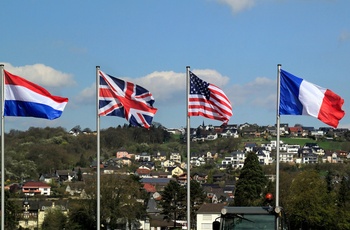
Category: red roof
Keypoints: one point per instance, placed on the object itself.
(143, 171)
(149, 187)
(295, 129)
(36, 184)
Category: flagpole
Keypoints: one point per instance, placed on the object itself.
(277, 209)
(2, 149)
(188, 151)
(98, 192)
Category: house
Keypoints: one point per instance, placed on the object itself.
(76, 189)
(123, 161)
(168, 163)
(143, 157)
(197, 161)
(211, 137)
(37, 210)
(201, 178)
(214, 193)
(148, 164)
(160, 174)
(32, 188)
(264, 157)
(123, 153)
(149, 188)
(287, 157)
(207, 214)
(159, 156)
(236, 159)
(176, 157)
(342, 153)
(228, 132)
(65, 175)
(110, 169)
(143, 172)
(331, 157)
(174, 171)
(158, 183)
(48, 178)
(249, 147)
(309, 158)
(177, 171)
(210, 155)
(295, 131)
(182, 179)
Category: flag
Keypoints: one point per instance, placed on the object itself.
(208, 100)
(125, 99)
(26, 99)
(299, 97)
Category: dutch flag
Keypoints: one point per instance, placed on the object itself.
(26, 99)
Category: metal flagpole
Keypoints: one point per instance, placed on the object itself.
(188, 151)
(277, 209)
(2, 149)
(98, 192)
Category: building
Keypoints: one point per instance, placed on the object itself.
(32, 188)
(207, 214)
(34, 212)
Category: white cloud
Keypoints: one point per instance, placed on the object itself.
(165, 86)
(42, 75)
(169, 89)
(259, 93)
(238, 5)
(87, 95)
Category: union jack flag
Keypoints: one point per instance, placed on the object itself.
(125, 99)
(208, 100)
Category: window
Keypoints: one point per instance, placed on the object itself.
(206, 226)
(207, 217)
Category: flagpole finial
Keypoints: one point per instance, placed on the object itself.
(97, 67)
(2, 64)
(187, 67)
(279, 64)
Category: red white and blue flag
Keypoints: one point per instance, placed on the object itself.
(26, 99)
(208, 100)
(125, 99)
(300, 97)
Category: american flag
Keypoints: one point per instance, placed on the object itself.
(125, 99)
(208, 100)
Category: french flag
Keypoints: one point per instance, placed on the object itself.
(300, 97)
(26, 99)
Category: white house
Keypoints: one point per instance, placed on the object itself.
(32, 188)
(287, 157)
(143, 157)
(207, 214)
(176, 157)
(236, 159)
(264, 157)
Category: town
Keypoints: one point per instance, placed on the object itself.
(61, 186)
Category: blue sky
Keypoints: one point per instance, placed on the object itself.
(234, 44)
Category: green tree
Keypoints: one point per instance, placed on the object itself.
(198, 196)
(251, 184)
(119, 200)
(173, 202)
(11, 212)
(309, 205)
(344, 204)
(54, 220)
(82, 215)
